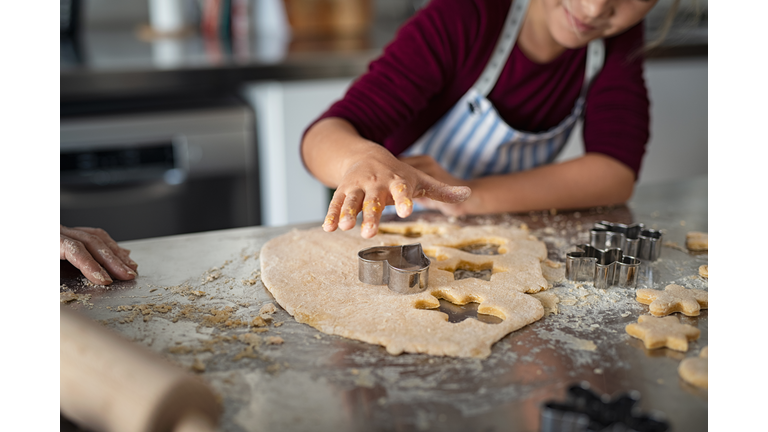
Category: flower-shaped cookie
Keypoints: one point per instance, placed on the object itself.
(674, 298)
(695, 370)
(663, 332)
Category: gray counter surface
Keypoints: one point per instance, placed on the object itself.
(190, 285)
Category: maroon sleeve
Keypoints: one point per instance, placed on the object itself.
(616, 119)
(413, 68)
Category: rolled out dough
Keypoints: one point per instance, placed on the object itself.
(313, 275)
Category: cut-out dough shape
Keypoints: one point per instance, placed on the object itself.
(704, 271)
(458, 313)
(674, 298)
(663, 332)
(464, 270)
(313, 276)
(482, 249)
(697, 241)
(695, 370)
(549, 301)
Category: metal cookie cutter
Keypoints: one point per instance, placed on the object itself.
(603, 267)
(634, 240)
(405, 269)
(585, 411)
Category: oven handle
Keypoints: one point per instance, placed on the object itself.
(115, 196)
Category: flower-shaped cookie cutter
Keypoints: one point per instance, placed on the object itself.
(585, 411)
(634, 240)
(605, 268)
(404, 269)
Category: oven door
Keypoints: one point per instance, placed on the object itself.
(143, 176)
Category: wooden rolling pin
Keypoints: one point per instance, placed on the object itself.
(113, 385)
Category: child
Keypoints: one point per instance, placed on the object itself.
(469, 105)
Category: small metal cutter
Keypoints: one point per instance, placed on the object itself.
(634, 240)
(405, 269)
(603, 267)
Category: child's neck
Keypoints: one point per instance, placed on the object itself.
(535, 39)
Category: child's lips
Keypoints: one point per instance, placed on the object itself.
(580, 25)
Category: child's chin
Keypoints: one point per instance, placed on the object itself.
(570, 39)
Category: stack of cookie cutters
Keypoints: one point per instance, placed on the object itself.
(605, 268)
(613, 256)
(404, 269)
(634, 240)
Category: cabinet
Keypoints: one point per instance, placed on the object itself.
(284, 109)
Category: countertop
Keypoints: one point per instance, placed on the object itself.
(319, 382)
(105, 64)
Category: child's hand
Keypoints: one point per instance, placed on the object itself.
(429, 165)
(377, 180)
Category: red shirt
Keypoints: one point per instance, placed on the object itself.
(440, 52)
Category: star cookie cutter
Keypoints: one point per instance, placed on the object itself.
(634, 240)
(585, 411)
(404, 269)
(605, 268)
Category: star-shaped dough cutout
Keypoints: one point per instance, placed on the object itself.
(697, 241)
(704, 271)
(663, 332)
(695, 370)
(674, 298)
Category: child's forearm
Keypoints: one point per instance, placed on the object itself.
(591, 180)
(330, 146)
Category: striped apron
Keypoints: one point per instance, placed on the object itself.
(472, 140)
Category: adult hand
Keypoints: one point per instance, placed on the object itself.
(378, 179)
(96, 255)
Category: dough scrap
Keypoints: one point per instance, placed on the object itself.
(268, 309)
(704, 271)
(549, 301)
(663, 332)
(674, 298)
(313, 275)
(695, 370)
(697, 241)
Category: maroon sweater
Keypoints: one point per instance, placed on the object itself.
(440, 52)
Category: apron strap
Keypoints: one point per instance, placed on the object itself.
(595, 59)
(506, 41)
(504, 44)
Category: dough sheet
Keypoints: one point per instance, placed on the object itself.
(313, 275)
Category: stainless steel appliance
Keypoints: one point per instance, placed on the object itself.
(149, 174)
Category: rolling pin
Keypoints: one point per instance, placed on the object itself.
(113, 385)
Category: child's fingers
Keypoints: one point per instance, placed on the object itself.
(442, 192)
(423, 163)
(334, 211)
(372, 208)
(401, 194)
(350, 209)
